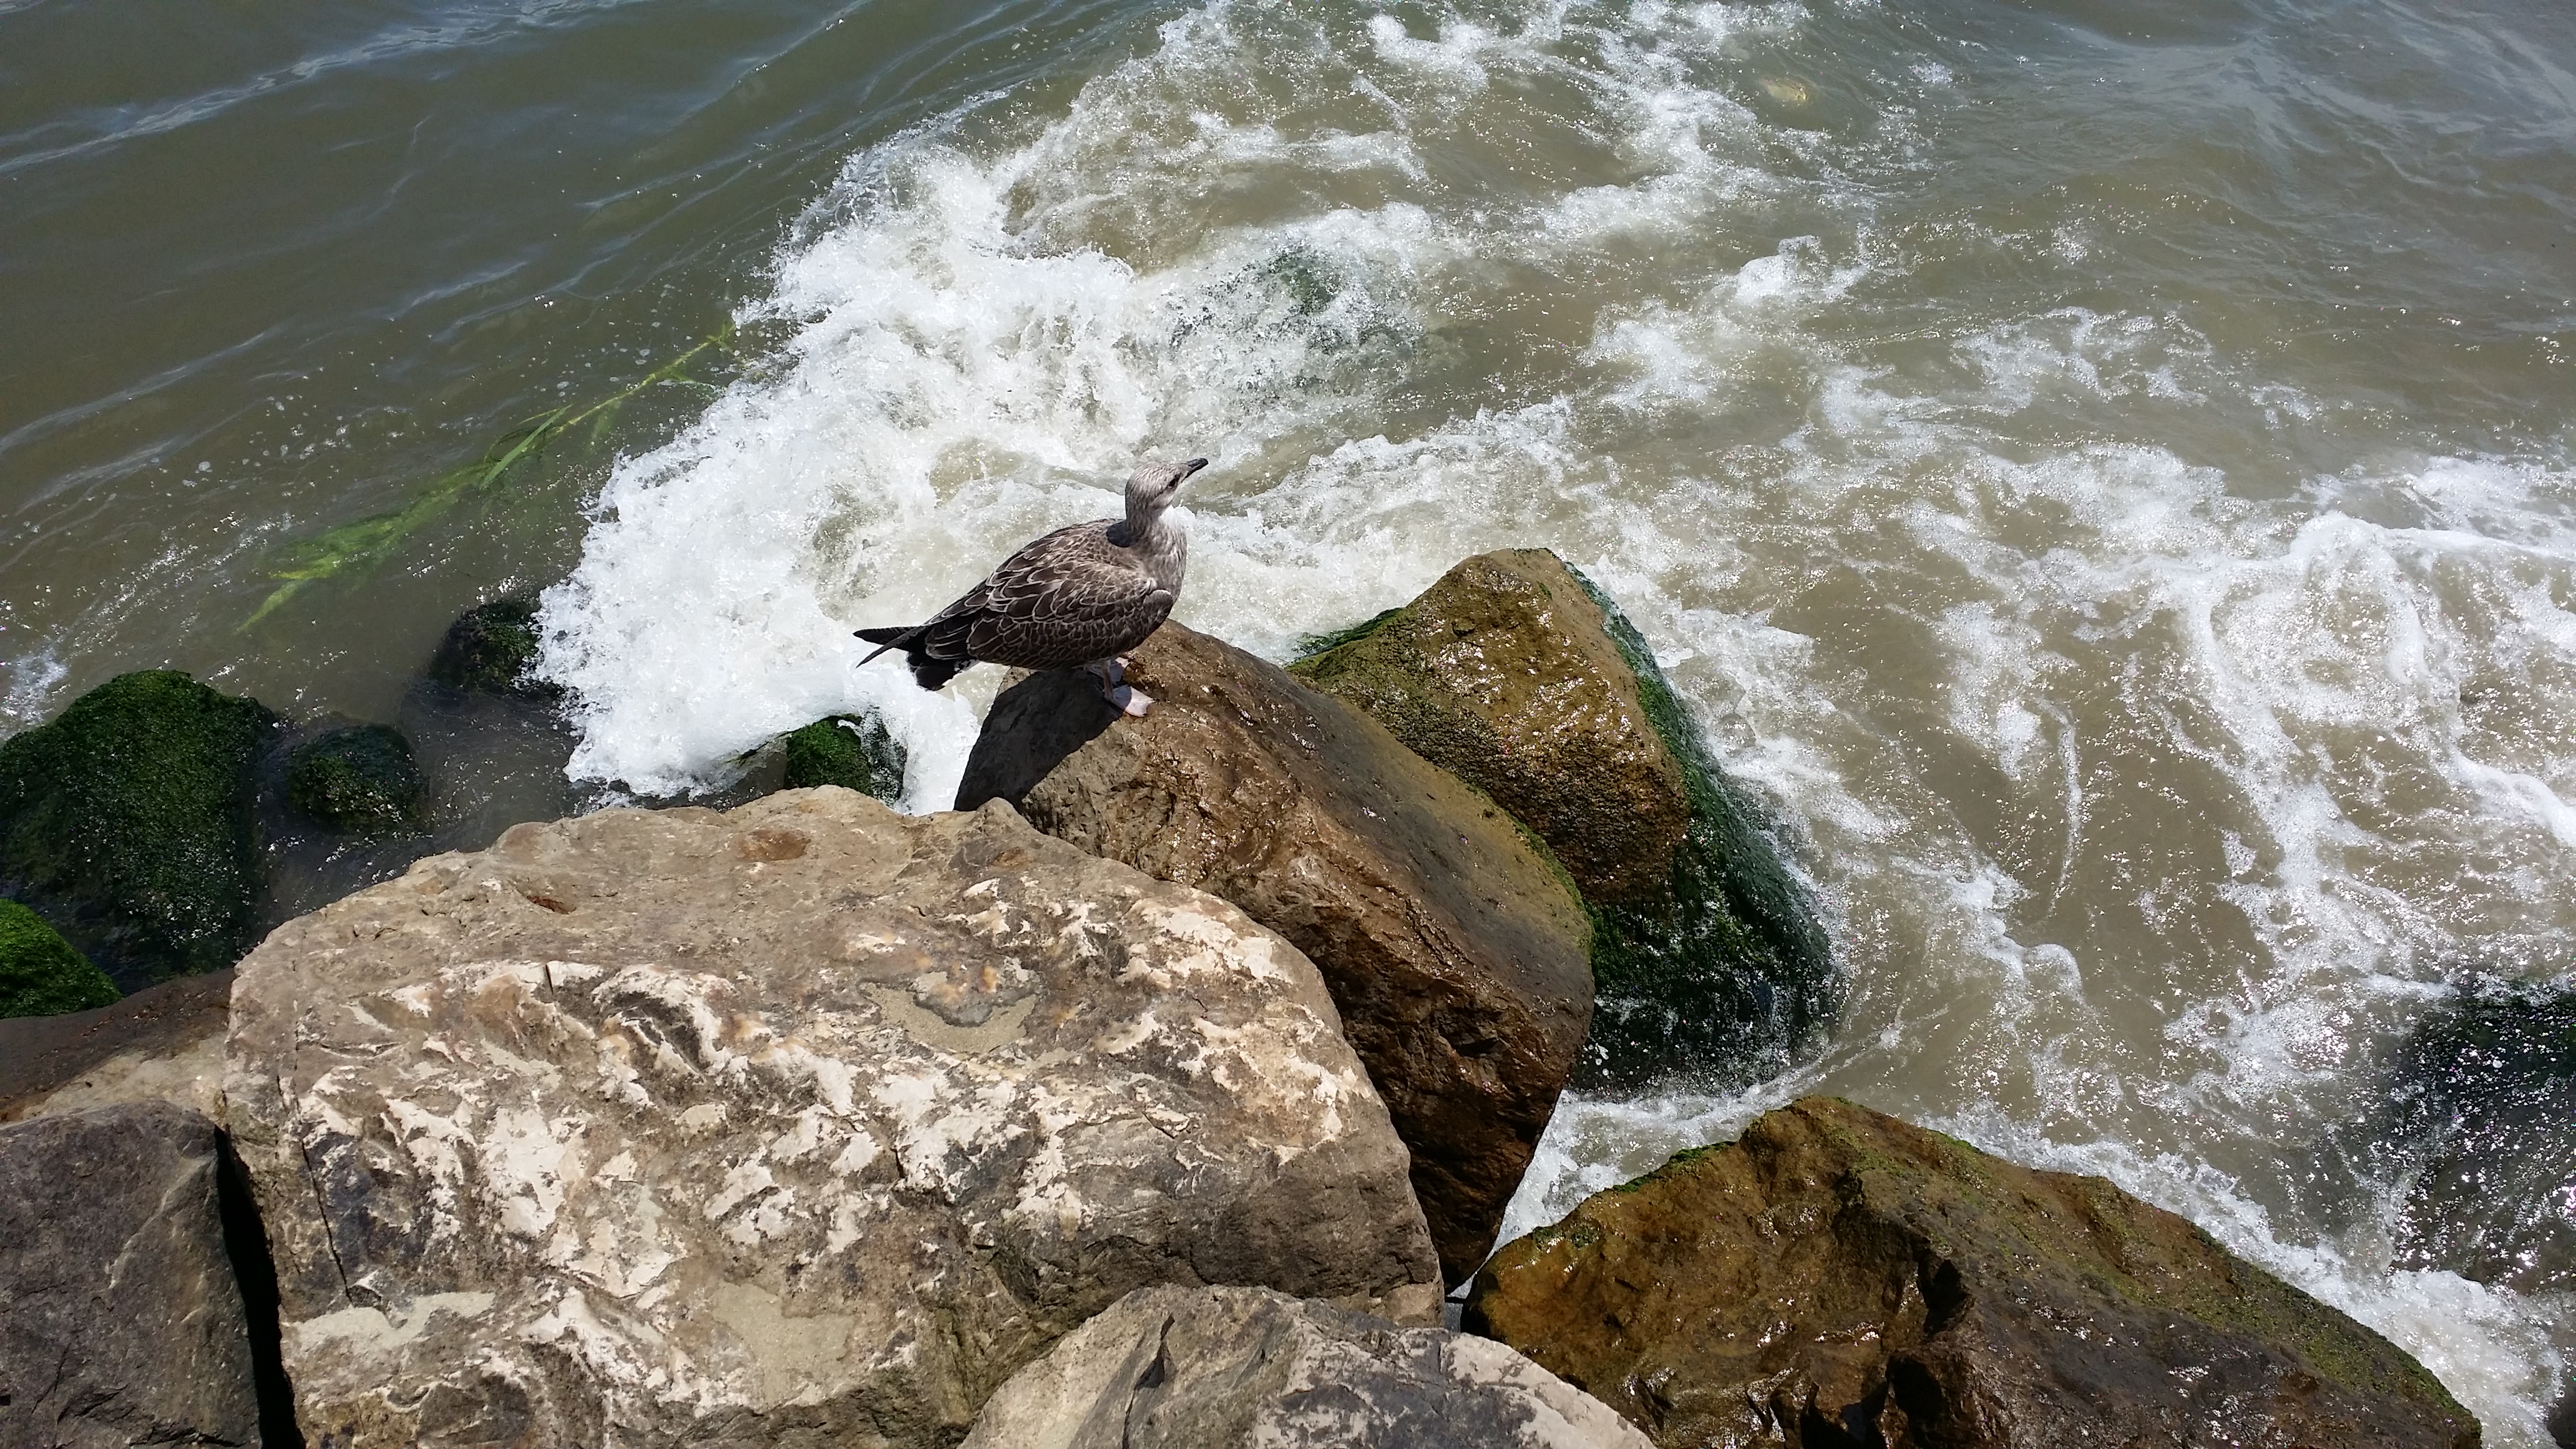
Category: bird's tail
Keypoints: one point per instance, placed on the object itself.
(928, 672)
(900, 637)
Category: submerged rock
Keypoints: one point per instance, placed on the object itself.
(805, 1123)
(1454, 950)
(127, 823)
(1200, 1368)
(123, 1323)
(2486, 1095)
(1516, 675)
(40, 972)
(853, 751)
(1837, 1277)
(491, 649)
(359, 778)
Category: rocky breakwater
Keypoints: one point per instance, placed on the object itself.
(1455, 949)
(1836, 1279)
(1519, 677)
(806, 1123)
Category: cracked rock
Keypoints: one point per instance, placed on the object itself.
(803, 1124)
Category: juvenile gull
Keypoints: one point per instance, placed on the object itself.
(1082, 595)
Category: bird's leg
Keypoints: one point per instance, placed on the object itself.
(1112, 674)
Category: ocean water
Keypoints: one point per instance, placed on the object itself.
(2101, 473)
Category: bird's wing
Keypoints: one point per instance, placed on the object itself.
(1065, 599)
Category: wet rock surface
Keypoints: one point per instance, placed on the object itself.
(1837, 1277)
(855, 752)
(491, 649)
(127, 823)
(163, 1043)
(806, 1123)
(123, 1324)
(1518, 676)
(1182, 1368)
(1456, 952)
(2485, 1095)
(41, 974)
(360, 778)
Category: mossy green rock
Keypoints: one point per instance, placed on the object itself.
(40, 972)
(1516, 675)
(491, 649)
(361, 778)
(2486, 1097)
(852, 751)
(127, 823)
(1839, 1277)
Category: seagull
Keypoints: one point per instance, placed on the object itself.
(1083, 595)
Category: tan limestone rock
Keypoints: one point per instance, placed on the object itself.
(802, 1124)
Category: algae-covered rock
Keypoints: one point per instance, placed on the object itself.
(40, 972)
(1516, 675)
(853, 751)
(1839, 1277)
(2486, 1093)
(491, 649)
(127, 823)
(358, 778)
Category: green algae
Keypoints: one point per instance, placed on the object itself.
(855, 752)
(360, 546)
(127, 822)
(491, 648)
(41, 974)
(1706, 955)
(1734, 974)
(362, 778)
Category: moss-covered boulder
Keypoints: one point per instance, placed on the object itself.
(1839, 1277)
(2485, 1091)
(127, 823)
(40, 972)
(492, 649)
(359, 778)
(1518, 676)
(855, 752)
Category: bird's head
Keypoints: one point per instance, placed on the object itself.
(1150, 488)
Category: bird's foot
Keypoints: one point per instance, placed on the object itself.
(1131, 701)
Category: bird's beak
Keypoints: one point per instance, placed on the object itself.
(1192, 466)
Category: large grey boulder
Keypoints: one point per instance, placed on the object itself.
(1456, 951)
(803, 1124)
(120, 1319)
(1203, 1368)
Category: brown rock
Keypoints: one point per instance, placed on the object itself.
(1455, 952)
(162, 1043)
(1839, 1278)
(121, 1322)
(804, 1124)
(1516, 675)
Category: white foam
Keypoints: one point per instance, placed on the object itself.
(1936, 592)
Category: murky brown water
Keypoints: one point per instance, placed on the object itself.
(2103, 475)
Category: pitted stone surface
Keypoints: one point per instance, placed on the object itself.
(1194, 1368)
(803, 1124)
